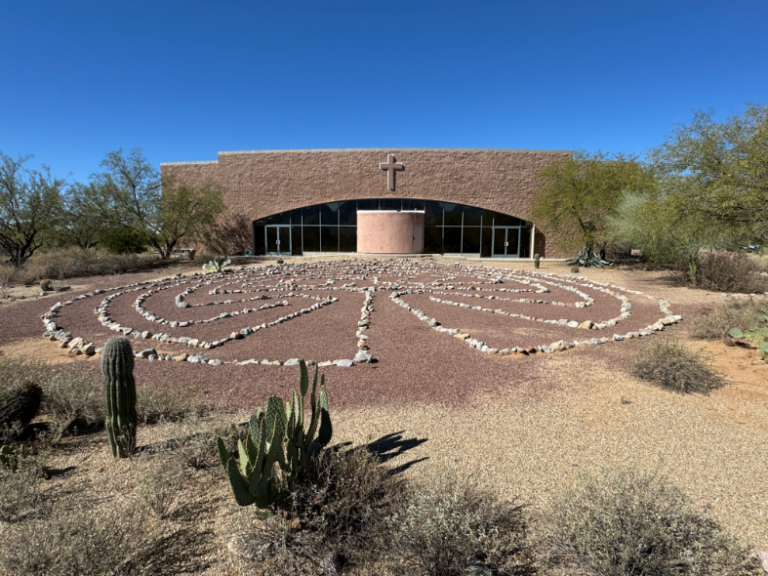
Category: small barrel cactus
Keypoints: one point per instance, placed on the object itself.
(120, 391)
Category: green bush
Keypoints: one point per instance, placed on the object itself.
(734, 312)
(453, 528)
(675, 367)
(124, 241)
(637, 524)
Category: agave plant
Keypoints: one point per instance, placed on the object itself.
(217, 264)
(279, 451)
(757, 333)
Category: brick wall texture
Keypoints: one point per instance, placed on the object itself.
(262, 183)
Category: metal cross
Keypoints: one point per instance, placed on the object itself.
(390, 166)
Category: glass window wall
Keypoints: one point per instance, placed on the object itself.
(448, 228)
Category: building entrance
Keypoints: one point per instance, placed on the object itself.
(506, 242)
(277, 239)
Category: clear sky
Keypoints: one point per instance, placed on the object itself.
(185, 79)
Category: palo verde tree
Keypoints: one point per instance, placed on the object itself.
(30, 205)
(576, 195)
(720, 169)
(134, 196)
(187, 212)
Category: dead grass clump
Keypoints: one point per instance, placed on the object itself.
(157, 404)
(732, 272)
(159, 487)
(20, 485)
(76, 262)
(630, 523)
(733, 313)
(675, 367)
(454, 527)
(338, 516)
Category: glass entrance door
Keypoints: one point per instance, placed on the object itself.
(278, 240)
(506, 242)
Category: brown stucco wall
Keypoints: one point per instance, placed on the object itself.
(262, 183)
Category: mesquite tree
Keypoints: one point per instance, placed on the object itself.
(30, 205)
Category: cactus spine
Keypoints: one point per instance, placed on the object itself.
(278, 451)
(120, 391)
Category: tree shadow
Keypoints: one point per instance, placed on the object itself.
(393, 445)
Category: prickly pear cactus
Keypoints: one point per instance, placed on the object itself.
(120, 391)
(279, 451)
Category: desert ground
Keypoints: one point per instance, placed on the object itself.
(527, 423)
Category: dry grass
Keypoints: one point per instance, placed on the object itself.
(74, 262)
(734, 313)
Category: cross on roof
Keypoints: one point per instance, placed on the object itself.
(390, 166)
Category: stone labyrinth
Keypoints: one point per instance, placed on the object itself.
(276, 314)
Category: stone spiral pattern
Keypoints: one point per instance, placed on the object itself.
(249, 291)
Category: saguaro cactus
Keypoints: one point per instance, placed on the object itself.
(120, 390)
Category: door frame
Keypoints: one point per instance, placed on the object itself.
(280, 250)
(517, 230)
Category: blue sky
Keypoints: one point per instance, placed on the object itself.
(185, 79)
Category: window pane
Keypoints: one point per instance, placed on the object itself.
(348, 213)
(296, 240)
(409, 204)
(311, 215)
(471, 243)
(506, 220)
(485, 244)
(433, 240)
(259, 248)
(433, 215)
(525, 242)
(348, 239)
(311, 238)
(391, 204)
(330, 238)
(472, 216)
(329, 214)
(368, 204)
(452, 214)
(451, 240)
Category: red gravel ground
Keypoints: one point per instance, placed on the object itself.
(413, 362)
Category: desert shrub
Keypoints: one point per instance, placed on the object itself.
(636, 523)
(453, 528)
(166, 403)
(15, 371)
(723, 271)
(20, 485)
(339, 512)
(733, 313)
(159, 487)
(81, 538)
(73, 398)
(676, 367)
(124, 241)
(74, 262)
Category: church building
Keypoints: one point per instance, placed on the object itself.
(473, 202)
